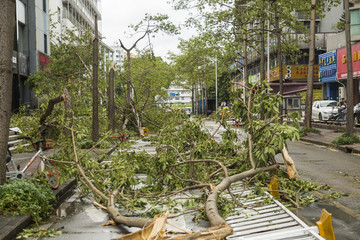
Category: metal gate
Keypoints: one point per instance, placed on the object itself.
(265, 218)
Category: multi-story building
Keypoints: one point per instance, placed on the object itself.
(333, 65)
(294, 72)
(176, 95)
(74, 14)
(118, 56)
(31, 47)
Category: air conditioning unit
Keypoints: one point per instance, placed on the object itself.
(342, 93)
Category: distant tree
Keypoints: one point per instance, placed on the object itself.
(148, 26)
(7, 26)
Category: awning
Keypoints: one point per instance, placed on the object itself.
(291, 88)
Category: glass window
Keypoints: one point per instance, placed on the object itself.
(44, 5)
(45, 44)
(296, 103)
(355, 22)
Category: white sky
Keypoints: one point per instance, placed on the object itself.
(117, 15)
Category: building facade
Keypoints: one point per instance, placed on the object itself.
(74, 14)
(295, 72)
(117, 57)
(31, 47)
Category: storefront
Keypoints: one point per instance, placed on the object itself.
(327, 75)
(342, 67)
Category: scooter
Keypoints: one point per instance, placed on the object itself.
(340, 116)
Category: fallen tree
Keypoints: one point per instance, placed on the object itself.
(187, 158)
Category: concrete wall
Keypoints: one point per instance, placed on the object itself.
(335, 41)
(331, 18)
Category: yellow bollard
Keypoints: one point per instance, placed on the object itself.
(274, 185)
(325, 226)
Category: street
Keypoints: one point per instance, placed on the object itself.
(338, 170)
(321, 165)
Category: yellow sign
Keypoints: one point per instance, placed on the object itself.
(297, 72)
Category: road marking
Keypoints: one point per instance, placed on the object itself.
(320, 146)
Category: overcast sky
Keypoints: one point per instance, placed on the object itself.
(117, 15)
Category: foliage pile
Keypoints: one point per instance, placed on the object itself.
(294, 192)
(346, 139)
(30, 196)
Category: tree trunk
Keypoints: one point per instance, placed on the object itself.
(68, 112)
(262, 51)
(95, 115)
(279, 57)
(309, 91)
(7, 26)
(350, 80)
(111, 104)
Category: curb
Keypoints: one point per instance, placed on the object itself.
(10, 226)
(344, 148)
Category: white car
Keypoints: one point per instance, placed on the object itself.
(323, 109)
(188, 110)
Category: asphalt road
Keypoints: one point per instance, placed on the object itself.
(339, 170)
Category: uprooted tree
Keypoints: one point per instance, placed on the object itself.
(187, 158)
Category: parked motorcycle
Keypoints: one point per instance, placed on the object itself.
(340, 116)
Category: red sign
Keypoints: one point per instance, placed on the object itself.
(341, 61)
(43, 60)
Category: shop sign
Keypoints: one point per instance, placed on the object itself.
(327, 66)
(342, 61)
(297, 72)
(43, 60)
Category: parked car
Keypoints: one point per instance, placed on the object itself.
(188, 110)
(324, 109)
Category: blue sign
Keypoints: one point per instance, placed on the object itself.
(327, 67)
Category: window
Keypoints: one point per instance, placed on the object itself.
(355, 22)
(45, 44)
(44, 5)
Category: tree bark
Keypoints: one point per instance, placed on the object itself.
(50, 107)
(95, 114)
(211, 209)
(7, 26)
(349, 68)
(111, 104)
(309, 91)
(290, 165)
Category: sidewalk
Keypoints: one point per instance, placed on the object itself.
(328, 133)
(10, 226)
